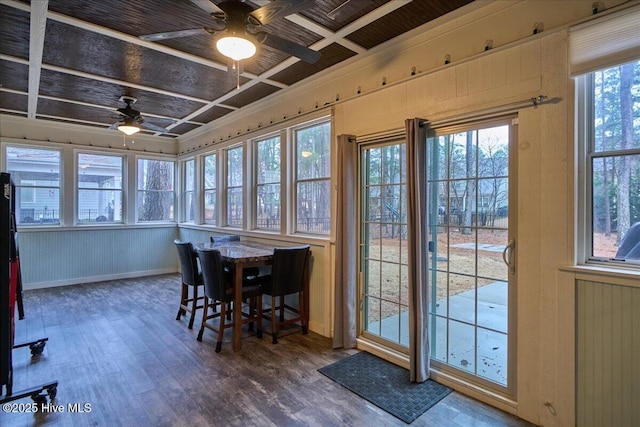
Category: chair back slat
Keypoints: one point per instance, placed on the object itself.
(215, 285)
(224, 238)
(188, 262)
(289, 269)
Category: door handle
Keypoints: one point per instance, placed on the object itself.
(508, 256)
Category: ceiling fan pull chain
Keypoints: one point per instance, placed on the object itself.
(236, 64)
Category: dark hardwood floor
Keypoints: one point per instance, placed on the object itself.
(117, 346)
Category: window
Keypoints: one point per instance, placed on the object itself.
(28, 195)
(99, 188)
(234, 186)
(210, 195)
(313, 172)
(189, 190)
(268, 183)
(36, 174)
(156, 197)
(612, 163)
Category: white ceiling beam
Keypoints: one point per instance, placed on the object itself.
(37, 27)
(328, 37)
(337, 37)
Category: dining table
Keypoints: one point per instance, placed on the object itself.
(238, 255)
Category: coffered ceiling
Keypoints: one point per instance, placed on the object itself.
(72, 60)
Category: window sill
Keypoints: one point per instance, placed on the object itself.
(260, 234)
(618, 276)
(93, 227)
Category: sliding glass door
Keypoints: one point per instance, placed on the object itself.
(383, 244)
(471, 250)
(471, 266)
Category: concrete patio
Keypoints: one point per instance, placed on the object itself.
(490, 334)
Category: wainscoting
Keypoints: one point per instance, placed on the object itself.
(608, 350)
(71, 256)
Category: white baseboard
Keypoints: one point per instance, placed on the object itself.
(92, 279)
(318, 328)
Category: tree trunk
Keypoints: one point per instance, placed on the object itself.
(470, 192)
(624, 178)
(157, 201)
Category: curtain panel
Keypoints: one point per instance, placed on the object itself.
(417, 251)
(346, 244)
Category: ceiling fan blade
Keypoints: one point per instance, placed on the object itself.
(210, 8)
(176, 34)
(279, 9)
(304, 53)
(114, 126)
(156, 128)
(128, 112)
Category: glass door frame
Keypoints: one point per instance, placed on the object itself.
(439, 367)
(362, 333)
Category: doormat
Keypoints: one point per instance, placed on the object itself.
(385, 385)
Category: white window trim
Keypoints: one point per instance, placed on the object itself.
(134, 185)
(223, 207)
(203, 189)
(292, 211)
(4, 146)
(184, 192)
(282, 135)
(77, 188)
(584, 201)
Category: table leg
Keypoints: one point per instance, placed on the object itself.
(237, 306)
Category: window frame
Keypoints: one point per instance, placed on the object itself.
(295, 181)
(186, 192)
(282, 139)
(227, 187)
(586, 148)
(213, 190)
(77, 187)
(174, 163)
(288, 172)
(60, 188)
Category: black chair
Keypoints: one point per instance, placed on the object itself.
(248, 273)
(218, 290)
(289, 275)
(630, 244)
(219, 238)
(191, 278)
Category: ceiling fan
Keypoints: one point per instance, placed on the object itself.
(131, 120)
(238, 22)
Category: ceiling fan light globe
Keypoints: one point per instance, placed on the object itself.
(128, 129)
(236, 48)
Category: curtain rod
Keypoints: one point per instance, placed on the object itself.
(493, 111)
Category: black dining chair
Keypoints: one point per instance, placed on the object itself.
(289, 275)
(250, 273)
(219, 290)
(220, 238)
(191, 279)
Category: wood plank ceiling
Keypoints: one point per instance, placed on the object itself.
(86, 54)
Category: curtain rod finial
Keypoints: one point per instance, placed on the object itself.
(538, 99)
